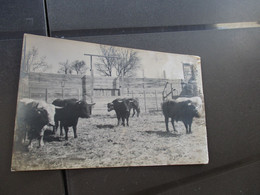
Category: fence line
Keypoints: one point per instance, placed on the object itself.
(51, 86)
(149, 101)
(48, 94)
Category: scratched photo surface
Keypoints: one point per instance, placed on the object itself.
(85, 105)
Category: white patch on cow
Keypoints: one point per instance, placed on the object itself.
(58, 107)
(42, 104)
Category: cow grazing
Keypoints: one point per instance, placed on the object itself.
(33, 118)
(183, 111)
(68, 111)
(122, 109)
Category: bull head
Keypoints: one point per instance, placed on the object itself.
(110, 107)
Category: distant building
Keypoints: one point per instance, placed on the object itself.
(189, 84)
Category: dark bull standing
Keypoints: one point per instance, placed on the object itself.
(68, 111)
(179, 111)
(132, 103)
(32, 120)
(122, 109)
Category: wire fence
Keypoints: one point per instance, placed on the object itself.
(148, 91)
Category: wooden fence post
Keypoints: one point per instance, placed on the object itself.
(144, 93)
(62, 92)
(46, 95)
(144, 101)
(78, 94)
(156, 100)
(84, 88)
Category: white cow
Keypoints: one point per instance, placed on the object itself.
(42, 104)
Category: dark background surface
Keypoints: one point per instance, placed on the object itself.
(230, 71)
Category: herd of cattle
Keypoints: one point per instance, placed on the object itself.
(34, 117)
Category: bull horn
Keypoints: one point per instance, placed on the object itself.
(120, 101)
(198, 107)
(78, 102)
(58, 107)
(92, 104)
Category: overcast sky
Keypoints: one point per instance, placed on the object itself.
(152, 63)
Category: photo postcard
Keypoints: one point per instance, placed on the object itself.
(86, 105)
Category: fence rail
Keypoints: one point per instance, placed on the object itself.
(149, 91)
(49, 94)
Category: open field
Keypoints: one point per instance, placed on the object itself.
(101, 143)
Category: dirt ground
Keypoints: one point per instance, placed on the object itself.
(101, 143)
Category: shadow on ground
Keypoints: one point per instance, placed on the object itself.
(50, 137)
(105, 126)
(163, 133)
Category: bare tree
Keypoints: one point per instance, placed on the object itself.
(34, 63)
(79, 66)
(106, 63)
(65, 67)
(125, 62)
(128, 63)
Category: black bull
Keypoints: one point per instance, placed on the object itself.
(68, 111)
(122, 107)
(179, 111)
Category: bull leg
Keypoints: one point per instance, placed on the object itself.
(123, 121)
(172, 120)
(190, 123)
(53, 129)
(29, 146)
(133, 112)
(25, 135)
(66, 132)
(30, 137)
(127, 119)
(61, 132)
(41, 143)
(187, 127)
(166, 123)
(118, 121)
(75, 131)
(187, 124)
(56, 122)
(22, 137)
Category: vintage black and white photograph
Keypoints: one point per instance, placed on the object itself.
(86, 105)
